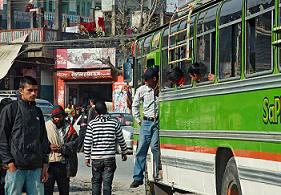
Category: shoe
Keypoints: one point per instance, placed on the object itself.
(136, 184)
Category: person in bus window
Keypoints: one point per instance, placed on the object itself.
(197, 72)
(176, 77)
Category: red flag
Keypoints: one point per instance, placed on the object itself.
(101, 23)
(89, 26)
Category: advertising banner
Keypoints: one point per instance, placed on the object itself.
(85, 58)
(96, 74)
(120, 96)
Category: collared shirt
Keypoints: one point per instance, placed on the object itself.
(146, 95)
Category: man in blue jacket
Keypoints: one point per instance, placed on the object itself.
(24, 144)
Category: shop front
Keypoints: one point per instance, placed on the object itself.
(77, 88)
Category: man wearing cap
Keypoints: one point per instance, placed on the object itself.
(63, 161)
(149, 134)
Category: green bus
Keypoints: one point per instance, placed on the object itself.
(223, 136)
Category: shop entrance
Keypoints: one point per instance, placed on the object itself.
(80, 93)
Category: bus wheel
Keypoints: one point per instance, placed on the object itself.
(230, 181)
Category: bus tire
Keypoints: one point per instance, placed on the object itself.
(230, 182)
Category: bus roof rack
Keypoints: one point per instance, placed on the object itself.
(181, 14)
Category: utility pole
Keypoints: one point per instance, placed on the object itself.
(113, 22)
(58, 17)
(10, 14)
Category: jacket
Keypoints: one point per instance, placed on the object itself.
(68, 149)
(23, 136)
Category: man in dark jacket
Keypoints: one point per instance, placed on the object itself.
(24, 145)
(63, 161)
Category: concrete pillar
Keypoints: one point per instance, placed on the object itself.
(10, 15)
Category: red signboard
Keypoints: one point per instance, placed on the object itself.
(96, 74)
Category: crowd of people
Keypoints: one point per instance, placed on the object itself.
(35, 154)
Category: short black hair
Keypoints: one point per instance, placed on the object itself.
(27, 80)
(174, 74)
(198, 68)
(100, 107)
(150, 73)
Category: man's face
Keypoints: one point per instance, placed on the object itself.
(58, 119)
(29, 92)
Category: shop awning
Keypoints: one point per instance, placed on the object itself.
(8, 53)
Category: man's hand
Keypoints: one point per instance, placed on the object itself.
(88, 163)
(54, 148)
(124, 157)
(12, 167)
(44, 173)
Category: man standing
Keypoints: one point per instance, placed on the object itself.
(24, 145)
(63, 161)
(149, 134)
(92, 112)
(99, 145)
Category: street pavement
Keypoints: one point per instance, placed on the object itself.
(81, 184)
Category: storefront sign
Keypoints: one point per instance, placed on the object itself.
(85, 58)
(97, 74)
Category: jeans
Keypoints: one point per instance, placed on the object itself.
(103, 172)
(30, 178)
(149, 135)
(57, 173)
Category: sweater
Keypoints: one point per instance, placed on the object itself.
(101, 136)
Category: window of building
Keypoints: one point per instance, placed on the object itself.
(50, 6)
(258, 41)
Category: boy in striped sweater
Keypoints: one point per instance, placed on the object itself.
(99, 146)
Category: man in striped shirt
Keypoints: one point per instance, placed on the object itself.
(99, 145)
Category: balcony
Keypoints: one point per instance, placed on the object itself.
(35, 35)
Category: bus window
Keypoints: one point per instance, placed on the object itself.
(255, 6)
(139, 48)
(164, 66)
(174, 29)
(165, 38)
(207, 20)
(206, 52)
(156, 40)
(259, 50)
(140, 68)
(230, 39)
(182, 35)
(231, 11)
(146, 45)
